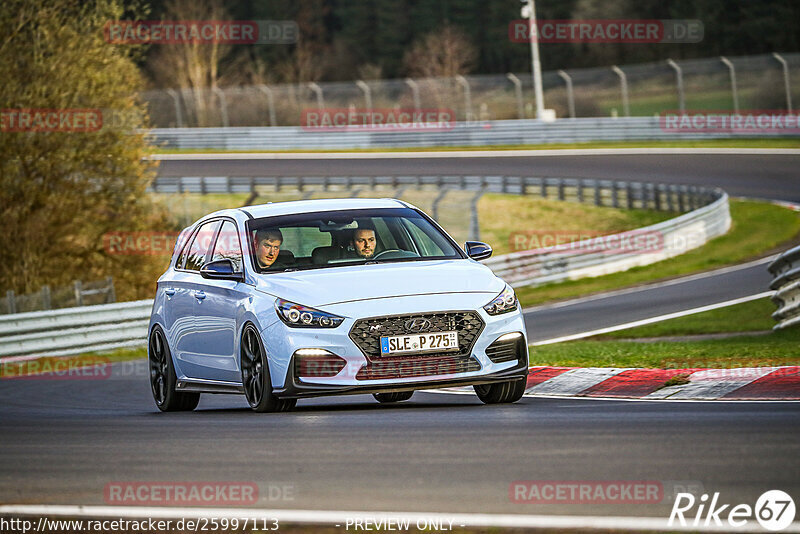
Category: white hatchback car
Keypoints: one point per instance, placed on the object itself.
(321, 297)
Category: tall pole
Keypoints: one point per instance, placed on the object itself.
(536, 67)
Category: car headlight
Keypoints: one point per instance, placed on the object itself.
(505, 302)
(301, 316)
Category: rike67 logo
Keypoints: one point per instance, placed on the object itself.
(774, 510)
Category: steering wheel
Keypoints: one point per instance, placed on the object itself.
(403, 253)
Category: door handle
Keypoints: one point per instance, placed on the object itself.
(199, 295)
(169, 291)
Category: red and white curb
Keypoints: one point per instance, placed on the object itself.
(758, 383)
(751, 383)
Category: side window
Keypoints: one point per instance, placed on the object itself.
(200, 245)
(228, 246)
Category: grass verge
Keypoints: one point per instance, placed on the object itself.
(702, 143)
(757, 228)
(776, 348)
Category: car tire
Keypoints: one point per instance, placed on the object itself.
(395, 396)
(163, 378)
(502, 392)
(255, 375)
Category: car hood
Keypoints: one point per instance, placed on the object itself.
(336, 285)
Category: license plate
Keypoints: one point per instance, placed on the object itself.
(432, 342)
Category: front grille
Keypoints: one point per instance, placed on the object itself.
(504, 351)
(418, 366)
(367, 333)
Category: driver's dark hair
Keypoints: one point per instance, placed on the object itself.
(268, 233)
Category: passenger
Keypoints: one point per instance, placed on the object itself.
(363, 243)
(268, 248)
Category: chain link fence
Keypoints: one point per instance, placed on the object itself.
(78, 294)
(762, 82)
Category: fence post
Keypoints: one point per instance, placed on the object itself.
(679, 79)
(367, 92)
(474, 227)
(580, 191)
(570, 94)
(78, 293)
(177, 100)
(467, 96)
(270, 102)
(544, 188)
(786, 84)
(614, 195)
(436, 201)
(11, 301)
(223, 106)
(598, 199)
(111, 294)
(318, 91)
(561, 189)
(734, 93)
(623, 82)
(629, 194)
(46, 297)
(518, 93)
(415, 92)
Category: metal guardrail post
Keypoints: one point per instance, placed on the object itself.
(223, 106)
(734, 92)
(11, 302)
(318, 91)
(474, 226)
(570, 93)
(436, 201)
(615, 195)
(679, 80)
(178, 112)
(415, 92)
(623, 82)
(518, 94)
(367, 92)
(111, 294)
(786, 84)
(467, 97)
(270, 102)
(46, 304)
(78, 288)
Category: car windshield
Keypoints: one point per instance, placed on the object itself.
(349, 237)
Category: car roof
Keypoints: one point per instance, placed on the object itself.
(316, 205)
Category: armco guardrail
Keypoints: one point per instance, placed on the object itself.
(594, 257)
(105, 327)
(486, 133)
(75, 330)
(786, 270)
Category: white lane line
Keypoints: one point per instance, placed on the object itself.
(574, 381)
(712, 383)
(472, 153)
(341, 518)
(637, 289)
(656, 319)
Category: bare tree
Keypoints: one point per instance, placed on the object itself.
(444, 53)
(193, 65)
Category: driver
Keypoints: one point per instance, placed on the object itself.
(363, 243)
(268, 247)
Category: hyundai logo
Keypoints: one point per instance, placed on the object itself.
(417, 325)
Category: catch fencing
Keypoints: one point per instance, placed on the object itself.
(786, 283)
(768, 81)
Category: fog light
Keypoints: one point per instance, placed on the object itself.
(315, 363)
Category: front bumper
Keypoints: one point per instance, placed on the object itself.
(281, 342)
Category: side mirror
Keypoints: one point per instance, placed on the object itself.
(221, 270)
(477, 250)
